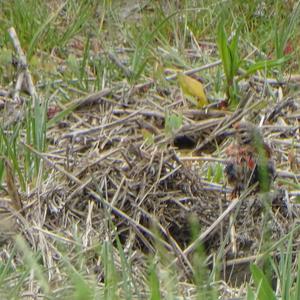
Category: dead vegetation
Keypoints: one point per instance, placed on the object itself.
(102, 171)
(112, 172)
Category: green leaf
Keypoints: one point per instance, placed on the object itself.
(286, 269)
(224, 50)
(209, 173)
(264, 65)
(154, 283)
(172, 123)
(218, 174)
(234, 54)
(250, 294)
(127, 272)
(265, 291)
(296, 295)
(110, 273)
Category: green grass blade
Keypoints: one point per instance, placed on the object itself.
(83, 65)
(126, 272)
(111, 278)
(234, 54)
(265, 291)
(31, 261)
(264, 65)
(296, 294)
(154, 285)
(11, 151)
(250, 294)
(224, 51)
(42, 29)
(84, 9)
(140, 58)
(282, 35)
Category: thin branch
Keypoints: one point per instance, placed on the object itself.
(23, 68)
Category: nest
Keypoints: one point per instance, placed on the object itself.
(113, 181)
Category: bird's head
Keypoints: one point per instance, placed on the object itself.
(248, 134)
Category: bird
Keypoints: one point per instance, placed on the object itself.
(249, 160)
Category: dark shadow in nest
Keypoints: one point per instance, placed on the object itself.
(190, 141)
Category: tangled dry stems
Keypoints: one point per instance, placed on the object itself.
(104, 181)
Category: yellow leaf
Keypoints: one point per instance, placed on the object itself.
(192, 88)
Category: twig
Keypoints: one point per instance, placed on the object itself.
(294, 193)
(232, 235)
(128, 73)
(89, 100)
(97, 161)
(289, 142)
(294, 78)
(150, 83)
(195, 70)
(144, 112)
(98, 128)
(18, 87)
(277, 110)
(197, 113)
(4, 93)
(286, 174)
(225, 124)
(202, 237)
(98, 198)
(24, 75)
(203, 158)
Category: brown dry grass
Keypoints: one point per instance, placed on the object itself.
(105, 181)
